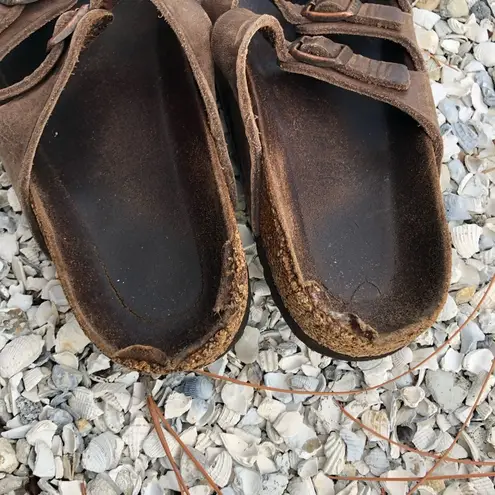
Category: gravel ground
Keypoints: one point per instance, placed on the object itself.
(68, 414)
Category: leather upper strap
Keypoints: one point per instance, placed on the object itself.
(320, 59)
(353, 11)
(323, 52)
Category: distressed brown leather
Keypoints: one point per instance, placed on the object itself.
(278, 165)
(30, 107)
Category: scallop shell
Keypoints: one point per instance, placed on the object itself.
(114, 418)
(153, 448)
(32, 377)
(83, 404)
(228, 418)
(197, 387)
(42, 431)
(402, 358)
(425, 438)
(377, 461)
(247, 481)
(246, 348)
(135, 434)
(443, 441)
(126, 479)
(355, 442)
(378, 421)
(103, 453)
(114, 394)
(466, 239)
(412, 396)
(302, 382)
(335, 454)
(19, 354)
(270, 409)
(221, 469)
(268, 360)
(237, 397)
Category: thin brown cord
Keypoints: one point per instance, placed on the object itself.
(152, 405)
(359, 391)
(83, 488)
(461, 429)
(156, 423)
(413, 478)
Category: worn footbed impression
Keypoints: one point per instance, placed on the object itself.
(123, 184)
(363, 194)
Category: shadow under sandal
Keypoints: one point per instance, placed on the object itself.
(341, 149)
(115, 147)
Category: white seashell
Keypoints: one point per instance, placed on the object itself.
(378, 421)
(17, 432)
(478, 361)
(32, 377)
(240, 450)
(301, 382)
(153, 448)
(196, 411)
(82, 403)
(323, 484)
(72, 439)
(475, 389)
(335, 454)
(308, 468)
(452, 361)
(298, 486)
(425, 18)
(425, 438)
(396, 487)
(113, 393)
(482, 485)
(228, 418)
(8, 459)
(237, 397)
(103, 453)
(288, 424)
(188, 470)
(466, 238)
(126, 479)
(247, 481)
(489, 302)
(176, 405)
(114, 418)
(402, 358)
(485, 53)
(377, 461)
(42, 431)
(449, 309)
(210, 416)
(292, 363)
(44, 466)
(405, 416)
(197, 387)
(279, 380)
(221, 469)
(268, 360)
(135, 434)
(456, 26)
(355, 442)
(484, 411)
(270, 409)
(97, 362)
(443, 441)
(70, 337)
(246, 348)
(19, 354)
(412, 396)
(66, 358)
(427, 40)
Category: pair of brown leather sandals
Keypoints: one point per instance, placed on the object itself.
(110, 132)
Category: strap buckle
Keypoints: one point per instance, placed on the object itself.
(320, 52)
(309, 12)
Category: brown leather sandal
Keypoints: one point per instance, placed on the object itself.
(116, 150)
(339, 139)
